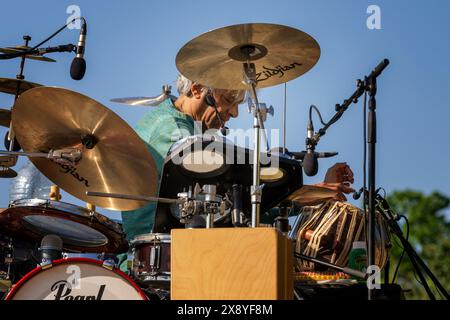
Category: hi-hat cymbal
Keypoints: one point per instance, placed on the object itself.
(8, 85)
(5, 117)
(309, 195)
(28, 56)
(216, 58)
(7, 173)
(114, 158)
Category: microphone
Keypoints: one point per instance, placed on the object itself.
(51, 248)
(301, 155)
(310, 164)
(78, 67)
(210, 101)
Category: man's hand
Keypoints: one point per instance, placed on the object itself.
(339, 173)
(339, 178)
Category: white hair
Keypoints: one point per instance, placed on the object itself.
(183, 85)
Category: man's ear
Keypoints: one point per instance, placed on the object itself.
(196, 90)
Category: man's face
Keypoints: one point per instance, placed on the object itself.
(227, 102)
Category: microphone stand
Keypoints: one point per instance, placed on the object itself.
(370, 85)
(416, 261)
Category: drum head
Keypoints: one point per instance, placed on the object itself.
(328, 231)
(80, 229)
(76, 279)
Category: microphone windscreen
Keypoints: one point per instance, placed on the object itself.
(78, 68)
(52, 242)
(310, 164)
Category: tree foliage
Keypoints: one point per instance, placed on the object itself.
(428, 234)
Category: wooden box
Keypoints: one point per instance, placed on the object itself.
(231, 264)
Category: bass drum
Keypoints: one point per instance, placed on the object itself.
(76, 279)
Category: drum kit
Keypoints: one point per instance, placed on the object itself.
(87, 150)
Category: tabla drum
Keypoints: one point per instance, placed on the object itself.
(80, 229)
(327, 232)
(76, 279)
(151, 259)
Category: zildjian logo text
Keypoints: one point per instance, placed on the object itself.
(73, 171)
(268, 73)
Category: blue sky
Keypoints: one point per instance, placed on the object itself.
(131, 49)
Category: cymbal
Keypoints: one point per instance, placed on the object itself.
(114, 158)
(28, 56)
(5, 117)
(7, 173)
(8, 85)
(147, 101)
(216, 58)
(143, 101)
(309, 195)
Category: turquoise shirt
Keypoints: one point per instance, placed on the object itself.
(159, 128)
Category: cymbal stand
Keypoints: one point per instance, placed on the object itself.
(20, 76)
(258, 125)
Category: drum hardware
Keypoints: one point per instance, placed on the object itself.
(202, 201)
(260, 112)
(238, 217)
(91, 209)
(148, 101)
(282, 221)
(96, 256)
(108, 264)
(54, 118)
(67, 156)
(55, 193)
(263, 109)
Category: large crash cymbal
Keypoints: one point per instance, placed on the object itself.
(216, 58)
(9, 86)
(48, 118)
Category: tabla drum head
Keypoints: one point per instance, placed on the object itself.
(76, 279)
